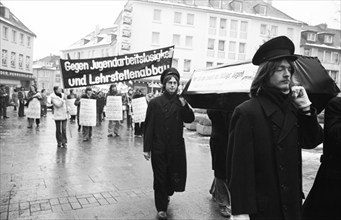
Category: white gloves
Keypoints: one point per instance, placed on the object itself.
(301, 99)
(240, 217)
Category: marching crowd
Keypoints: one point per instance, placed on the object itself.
(255, 147)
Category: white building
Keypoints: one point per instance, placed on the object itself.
(205, 32)
(16, 45)
(324, 43)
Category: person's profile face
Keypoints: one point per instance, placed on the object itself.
(171, 85)
(281, 78)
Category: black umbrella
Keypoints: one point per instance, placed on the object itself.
(308, 70)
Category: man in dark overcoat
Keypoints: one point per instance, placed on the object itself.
(324, 198)
(163, 140)
(267, 132)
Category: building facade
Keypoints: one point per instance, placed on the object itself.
(324, 43)
(16, 43)
(205, 32)
(47, 74)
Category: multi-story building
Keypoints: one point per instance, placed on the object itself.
(324, 43)
(205, 32)
(16, 43)
(46, 72)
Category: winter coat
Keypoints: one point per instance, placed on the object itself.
(324, 199)
(218, 141)
(264, 165)
(59, 107)
(163, 137)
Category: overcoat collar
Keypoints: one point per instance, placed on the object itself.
(273, 112)
(169, 104)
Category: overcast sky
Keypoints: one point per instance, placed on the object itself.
(58, 24)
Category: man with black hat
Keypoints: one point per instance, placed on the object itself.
(266, 135)
(163, 140)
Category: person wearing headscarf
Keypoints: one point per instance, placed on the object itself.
(266, 134)
(163, 140)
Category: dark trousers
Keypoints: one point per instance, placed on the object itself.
(61, 131)
(21, 108)
(43, 110)
(87, 132)
(31, 120)
(72, 118)
(138, 130)
(161, 200)
(3, 110)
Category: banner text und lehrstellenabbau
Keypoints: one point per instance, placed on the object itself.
(107, 70)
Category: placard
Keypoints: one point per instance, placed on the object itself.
(70, 103)
(34, 109)
(139, 106)
(114, 109)
(87, 112)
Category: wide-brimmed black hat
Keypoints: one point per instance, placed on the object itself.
(169, 71)
(278, 47)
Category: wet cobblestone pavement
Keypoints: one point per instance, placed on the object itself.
(105, 178)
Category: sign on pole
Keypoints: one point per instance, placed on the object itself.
(107, 70)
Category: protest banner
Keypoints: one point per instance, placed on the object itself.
(34, 109)
(107, 70)
(114, 109)
(139, 106)
(225, 87)
(87, 112)
(70, 103)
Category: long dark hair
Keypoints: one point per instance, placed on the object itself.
(166, 79)
(264, 72)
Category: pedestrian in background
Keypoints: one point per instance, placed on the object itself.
(87, 130)
(58, 100)
(43, 103)
(100, 103)
(218, 145)
(323, 201)
(267, 132)
(4, 99)
(34, 108)
(113, 125)
(22, 100)
(163, 140)
(15, 99)
(138, 127)
(72, 95)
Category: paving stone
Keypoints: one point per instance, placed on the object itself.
(56, 208)
(111, 200)
(3, 208)
(106, 195)
(35, 207)
(24, 205)
(72, 199)
(66, 207)
(90, 205)
(3, 215)
(13, 215)
(63, 200)
(54, 201)
(24, 213)
(42, 213)
(45, 206)
(13, 207)
(75, 205)
(83, 201)
(91, 199)
(98, 196)
(103, 202)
